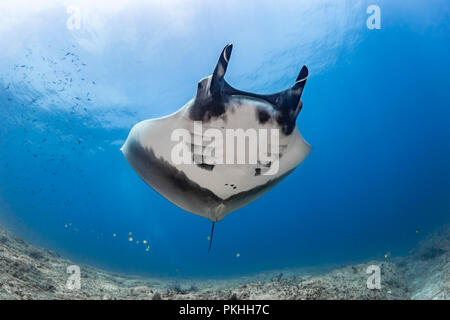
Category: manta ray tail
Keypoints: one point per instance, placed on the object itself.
(211, 237)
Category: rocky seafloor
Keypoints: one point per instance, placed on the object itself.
(30, 272)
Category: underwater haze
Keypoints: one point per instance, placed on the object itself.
(75, 76)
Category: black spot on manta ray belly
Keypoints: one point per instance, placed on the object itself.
(205, 166)
(178, 188)
(262, 115)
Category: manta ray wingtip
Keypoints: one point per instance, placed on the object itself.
(303, 75)
(228, 49)
(221, 68)
(227, 52)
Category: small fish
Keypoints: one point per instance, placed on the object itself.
(130, 239)
(238, 255)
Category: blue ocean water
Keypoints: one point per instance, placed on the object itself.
(75, 78)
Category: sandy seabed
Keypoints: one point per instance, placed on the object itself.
(30, 272)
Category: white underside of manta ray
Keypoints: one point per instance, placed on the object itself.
(214, 190)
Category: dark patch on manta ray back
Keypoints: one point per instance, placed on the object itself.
(216, 106)
(287, 122)
(207, 109)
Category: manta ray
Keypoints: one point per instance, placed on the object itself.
(207, 185)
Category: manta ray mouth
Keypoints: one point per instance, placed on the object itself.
(175, 186)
